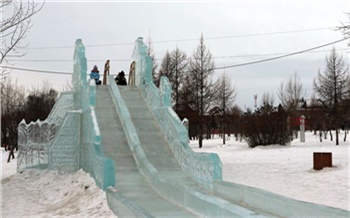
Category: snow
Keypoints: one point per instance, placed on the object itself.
(43, 193)
(286, 170)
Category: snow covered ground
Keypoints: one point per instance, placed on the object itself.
(43, 193)
(286, 170)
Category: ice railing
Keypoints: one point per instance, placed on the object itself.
(33, 143)
(35, 138)
(63, 104)
(204, 167)
(92, 159)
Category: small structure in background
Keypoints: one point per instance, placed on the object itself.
(106, 72)
(322, 159)
(131, 79)
(302, 128)
(255, 100)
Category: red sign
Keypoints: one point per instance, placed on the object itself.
(296, 120)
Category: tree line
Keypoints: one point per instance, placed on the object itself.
(195, 95)
(17, 104)
(210, 105)
(192, 84)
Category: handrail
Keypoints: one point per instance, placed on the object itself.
(183, 195)
(92, 158)
(63, 104)
(72, 135)
(35, 138)
(204, 167)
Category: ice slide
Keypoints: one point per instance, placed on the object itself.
(132, 182)
(134, 146)
(129, 180)
(192, 182)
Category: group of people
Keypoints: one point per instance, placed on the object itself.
(119, 79)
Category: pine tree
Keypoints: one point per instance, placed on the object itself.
(201, 68)
(332, 87)
(165, 68)
(174, 66)
(179, 66)
(224, 97)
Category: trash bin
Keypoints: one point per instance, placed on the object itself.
(322, 159)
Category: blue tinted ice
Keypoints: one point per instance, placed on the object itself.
(206, 167)
(71, 138)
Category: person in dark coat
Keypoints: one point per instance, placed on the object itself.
(11, 148)
(120, 79)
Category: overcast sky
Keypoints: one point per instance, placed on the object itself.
(235, 32)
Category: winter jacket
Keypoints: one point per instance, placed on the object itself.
(95, 75)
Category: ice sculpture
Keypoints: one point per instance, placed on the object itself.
(206, 167)
(36, 138)
(92, 159)
(69, 138)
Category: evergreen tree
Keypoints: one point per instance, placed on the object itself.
(200, 69)
(224, 97)
(165, 68)
(179, 65)
(332, 87)
(174, 66)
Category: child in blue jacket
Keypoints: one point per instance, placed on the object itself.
(95, 74)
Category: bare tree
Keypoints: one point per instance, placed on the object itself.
(267, 98)
(150, 53)
(12, 109)
(224, 96)
(200, 69)
(345, 27)
(68, 86)
(14, 27)
(186, 92)
(39, 102)
(165, 68)
(292, 93)
(332, 87)
(179, 66)
(174, 66)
